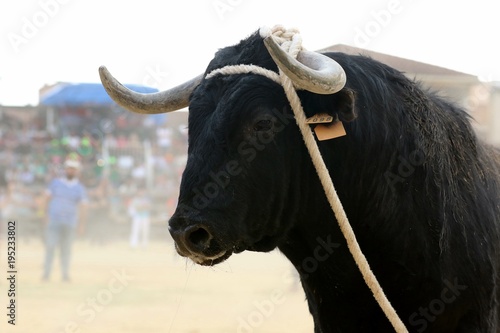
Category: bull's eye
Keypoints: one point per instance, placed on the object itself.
(263, 125)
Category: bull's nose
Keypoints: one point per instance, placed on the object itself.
(197, 238)
(192, 238)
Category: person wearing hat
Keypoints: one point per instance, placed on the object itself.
(66, 212)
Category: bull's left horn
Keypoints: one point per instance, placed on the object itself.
(311, 71)
(160, 102)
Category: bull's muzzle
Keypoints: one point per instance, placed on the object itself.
(197, 242)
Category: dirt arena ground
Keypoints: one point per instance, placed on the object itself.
(150, 290)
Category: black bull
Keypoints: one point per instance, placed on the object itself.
(421, 191)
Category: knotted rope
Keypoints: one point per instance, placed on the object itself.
(291, 42)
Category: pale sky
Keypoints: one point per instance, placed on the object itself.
(162, 43)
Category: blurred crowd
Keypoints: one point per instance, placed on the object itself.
(114, 151)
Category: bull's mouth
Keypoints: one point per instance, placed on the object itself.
(211, 261)
(205, 260)
(216, 255)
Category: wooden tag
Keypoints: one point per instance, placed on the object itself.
(330, 131)
(320, 118)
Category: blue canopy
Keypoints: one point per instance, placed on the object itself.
(91, 94)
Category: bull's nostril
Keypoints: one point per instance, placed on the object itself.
(199, 237)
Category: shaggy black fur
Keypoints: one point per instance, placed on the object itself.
(420, 190)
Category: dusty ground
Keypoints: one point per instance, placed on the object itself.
(117, 289)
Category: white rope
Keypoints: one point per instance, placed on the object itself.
(245, 69)
(291, 42)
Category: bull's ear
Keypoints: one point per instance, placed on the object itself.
(341, 103)
(344, 105)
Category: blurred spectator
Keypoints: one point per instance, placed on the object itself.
(18, 201)
(164, 137)
(139, 210)
(139, 173)
(24, 141)
(67, 198)
(121, 124)
(111, 140)
(133, 141)
(114, 174)
(128, 188)
(73, 141)
(121, 141)
(55, 150)
(26, 175)
(125, 162)
(85, 148)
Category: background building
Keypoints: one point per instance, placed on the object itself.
(480, 99)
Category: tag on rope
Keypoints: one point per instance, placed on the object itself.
(329, 131)
(320, 118)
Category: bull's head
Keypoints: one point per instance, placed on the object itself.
(238, 190)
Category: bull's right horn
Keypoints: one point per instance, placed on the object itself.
(160, 102)
(311, 71)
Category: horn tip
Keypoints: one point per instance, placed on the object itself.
(103, 69)
(105, 75)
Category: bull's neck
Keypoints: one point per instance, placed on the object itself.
(317, 249)
(316, 238)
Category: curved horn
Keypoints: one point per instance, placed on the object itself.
(160, 102)
(311, 71)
